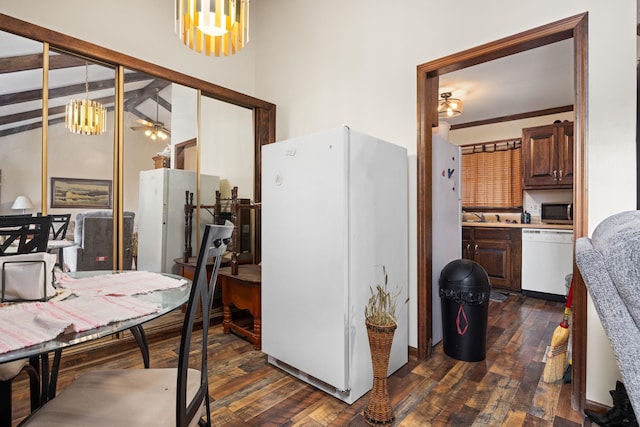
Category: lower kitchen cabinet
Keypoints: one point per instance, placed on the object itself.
(498, 251)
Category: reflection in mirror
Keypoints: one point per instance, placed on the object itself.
(80, 165)
(153, 188)
(227, 151)
(20, 123)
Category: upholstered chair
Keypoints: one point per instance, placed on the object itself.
(93, 238)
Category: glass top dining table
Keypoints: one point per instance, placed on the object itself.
(166, 299)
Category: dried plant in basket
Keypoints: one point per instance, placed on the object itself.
(381, 308)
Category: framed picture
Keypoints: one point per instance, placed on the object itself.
(81, 193)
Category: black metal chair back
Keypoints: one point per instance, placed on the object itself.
(214, 245)
(59, 226)
(23, 234)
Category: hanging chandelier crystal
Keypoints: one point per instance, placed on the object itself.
(449, 107)
(85, 116)
(213, 26)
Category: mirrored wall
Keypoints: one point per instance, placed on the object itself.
(21, 80)
(160, 134)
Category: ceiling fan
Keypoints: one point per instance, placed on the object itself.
(156, 129)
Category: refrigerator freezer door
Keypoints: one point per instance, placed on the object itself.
(303, 269)
(334, 211)
(151, 219)
(446, 223)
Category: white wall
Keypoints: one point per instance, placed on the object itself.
(333, 62)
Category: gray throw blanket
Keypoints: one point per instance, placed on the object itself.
(610, 265)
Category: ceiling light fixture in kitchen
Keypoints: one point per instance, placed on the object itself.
(213, 26)
(449, 107)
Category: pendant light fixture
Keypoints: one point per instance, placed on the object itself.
(85, 116)
(213, 26)
(449, 107)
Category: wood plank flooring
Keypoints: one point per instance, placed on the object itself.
(504, 390)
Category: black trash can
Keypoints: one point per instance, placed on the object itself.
(464, 295)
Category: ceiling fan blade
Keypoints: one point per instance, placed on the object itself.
(139, 127)
(144, 122)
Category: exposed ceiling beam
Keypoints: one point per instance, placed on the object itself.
(149, 91)
(36, 94)
(513, 117)
(33, 61)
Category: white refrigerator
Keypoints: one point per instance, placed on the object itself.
(446, 225)
(160, 216)
(334, 211)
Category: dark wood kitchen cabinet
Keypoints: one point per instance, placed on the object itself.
(547, 156)
(498, 251)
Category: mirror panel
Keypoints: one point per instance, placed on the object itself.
(21, 79)
(80, 165)
(227, 146)
(154, 189)
(227, 151)
(96, 151)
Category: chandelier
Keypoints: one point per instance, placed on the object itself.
(85, 116)
(213, 26)
(449, 107)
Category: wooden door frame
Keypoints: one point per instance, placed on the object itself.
(574, 27)
(180, 149)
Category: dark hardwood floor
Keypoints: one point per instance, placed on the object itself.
(505, 389)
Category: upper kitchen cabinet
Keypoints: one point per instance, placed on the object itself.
(548, 156)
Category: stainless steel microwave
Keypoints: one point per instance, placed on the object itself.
(556, 213)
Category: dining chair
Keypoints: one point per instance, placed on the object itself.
(59, 225)
(150, 397)
(58, 231)
(21, 234)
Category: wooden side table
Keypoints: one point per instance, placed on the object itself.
(188, 269)
(243, 291)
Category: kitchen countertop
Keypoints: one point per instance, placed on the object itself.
(506, 225)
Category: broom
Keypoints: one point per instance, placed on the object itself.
(557, 353)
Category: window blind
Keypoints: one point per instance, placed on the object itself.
(492, 175)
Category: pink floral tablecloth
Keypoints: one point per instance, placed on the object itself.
(99, 301)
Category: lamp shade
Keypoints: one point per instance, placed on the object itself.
(22, 202)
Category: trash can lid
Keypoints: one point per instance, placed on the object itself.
(464, 273)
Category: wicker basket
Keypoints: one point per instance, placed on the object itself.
(379, 411)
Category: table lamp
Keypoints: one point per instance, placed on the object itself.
(22, 202)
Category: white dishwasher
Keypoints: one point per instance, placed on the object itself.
(547, 258)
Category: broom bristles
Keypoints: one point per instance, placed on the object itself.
(556, 355)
